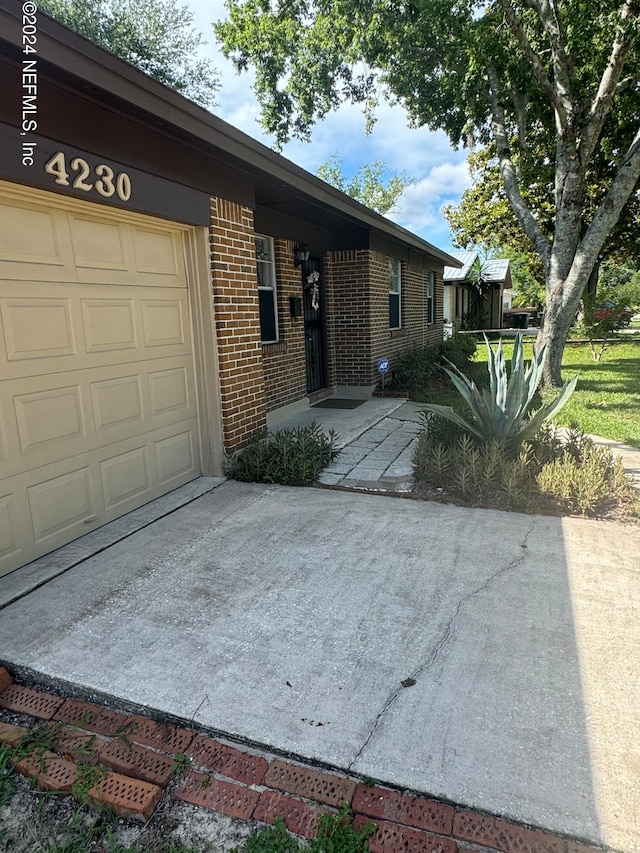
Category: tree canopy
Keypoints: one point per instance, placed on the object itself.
(552, 85)
(156, 36)
(368, 184)
(484, 218)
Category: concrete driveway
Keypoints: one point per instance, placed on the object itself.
(487, 658)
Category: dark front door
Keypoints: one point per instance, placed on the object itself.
(314, 332)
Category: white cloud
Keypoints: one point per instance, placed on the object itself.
(444, 180)
(420, 205)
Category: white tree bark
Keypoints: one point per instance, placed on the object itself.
(572, 254)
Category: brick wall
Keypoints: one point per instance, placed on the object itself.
(285, 372)
(359, 284)
(414, 331)
(256, 378)
(347, 276)
(235, 299)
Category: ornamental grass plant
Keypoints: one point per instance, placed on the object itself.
(559, 471)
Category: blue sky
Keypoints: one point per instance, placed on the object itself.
(441, 173)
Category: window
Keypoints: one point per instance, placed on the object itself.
(431, 297)
(395, 275)
(267, 289)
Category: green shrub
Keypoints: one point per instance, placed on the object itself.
(416, 366)
(556, 471)
(290, 457)
(458, 349)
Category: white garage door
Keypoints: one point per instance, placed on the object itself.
(97, 393)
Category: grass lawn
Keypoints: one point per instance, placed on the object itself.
(606, 401)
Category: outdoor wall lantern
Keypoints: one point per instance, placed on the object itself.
(300, 254)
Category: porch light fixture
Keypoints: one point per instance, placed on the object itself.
(300, 254)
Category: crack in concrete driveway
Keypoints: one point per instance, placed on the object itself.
(447, 634)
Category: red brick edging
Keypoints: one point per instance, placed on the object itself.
(144, 759)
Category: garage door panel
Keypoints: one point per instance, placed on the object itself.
(66, 414)
(109, 324)
(125, 476)
(67, 499)
(89, 248)
(98, 245)
(129, 472)
(163, 322)
(118, 361)
(156, 252)
(45, 418)
(116, 402)
(87, 330)
(34, 243)
(50, 506)
(98, 407)
(17, 243)
(49, 416)
(4, 444)
(61, 504)
(16, 237)
(175, 458)
(169, 391)
(37, 328)
(10, 547)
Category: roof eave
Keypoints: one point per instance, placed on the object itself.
(96, 67)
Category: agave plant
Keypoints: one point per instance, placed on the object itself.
(503, 411)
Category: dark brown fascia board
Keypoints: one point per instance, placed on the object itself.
(96, 67)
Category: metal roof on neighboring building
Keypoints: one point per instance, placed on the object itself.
(466, 259)
(496, 269)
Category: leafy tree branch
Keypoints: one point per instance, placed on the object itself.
(367, 185)
(552, 85)
(156, 36)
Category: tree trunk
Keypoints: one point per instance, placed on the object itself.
(559, 315)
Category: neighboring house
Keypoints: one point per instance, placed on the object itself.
(152, 311)
(462, 305)
(507, 299)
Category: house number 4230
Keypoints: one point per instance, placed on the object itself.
(102, 178)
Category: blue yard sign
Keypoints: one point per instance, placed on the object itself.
(383, 365)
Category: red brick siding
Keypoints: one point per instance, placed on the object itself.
(285, 373)
(256, 378)
(235, 299)
(415, 330)
(384, 342)
(349, 316)
(360, 321)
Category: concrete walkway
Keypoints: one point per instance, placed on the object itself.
(377, 440)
